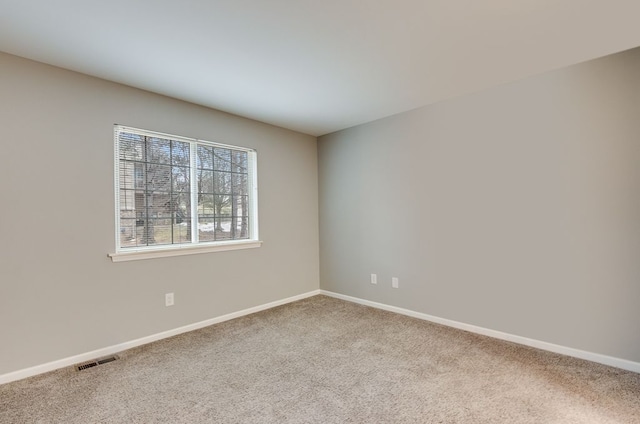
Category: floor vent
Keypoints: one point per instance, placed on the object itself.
(107, 360)
(96, 362)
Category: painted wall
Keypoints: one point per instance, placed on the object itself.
(516, 209)
(59, 293)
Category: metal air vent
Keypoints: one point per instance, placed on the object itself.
(96, 362)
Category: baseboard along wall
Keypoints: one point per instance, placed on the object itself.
(110, 350)
(563, 350)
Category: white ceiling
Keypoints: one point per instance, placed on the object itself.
(316, 66)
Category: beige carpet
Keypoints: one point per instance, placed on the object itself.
(323, 360)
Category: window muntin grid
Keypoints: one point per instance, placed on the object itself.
(177, 191)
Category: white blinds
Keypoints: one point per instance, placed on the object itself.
(176, 191)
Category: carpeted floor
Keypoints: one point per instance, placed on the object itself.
(323, 360)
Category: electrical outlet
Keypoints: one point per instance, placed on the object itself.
(374, 279)
(394, 282)
(168, 299)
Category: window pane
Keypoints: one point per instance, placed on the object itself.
(206, 229)
(221, 159)
(239, 183)
(140, 179)
(205, 157)
(158, 177)
(182, 231)
(241, 226)
(159, 231)
(180, 153)
(181, 179)
(127, 174)
(205, 181)
(131, 146)
(240, 205)
(223, 229)
(126, 200)
(222, 205)
(206, 205)
(181, 206)
(144, 232)
(222, 182)
(239, 161)
(158, 150)
(127, 232)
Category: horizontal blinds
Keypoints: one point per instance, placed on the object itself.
(166, 196)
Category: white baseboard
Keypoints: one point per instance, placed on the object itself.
(72, 360)
(110, 350)
(576, 353)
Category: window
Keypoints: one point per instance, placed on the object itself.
(175, 194)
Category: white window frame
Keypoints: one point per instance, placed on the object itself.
(195, 247)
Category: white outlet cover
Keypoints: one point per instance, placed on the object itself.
(168, 299)
(394, 282)
(374, 279)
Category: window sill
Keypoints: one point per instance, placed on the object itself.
(135, 255)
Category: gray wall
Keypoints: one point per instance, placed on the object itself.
(515, 209)
(59, 293)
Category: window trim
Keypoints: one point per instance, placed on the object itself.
(164, 252)
(149, 252)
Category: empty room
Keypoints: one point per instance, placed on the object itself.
(279, 211)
